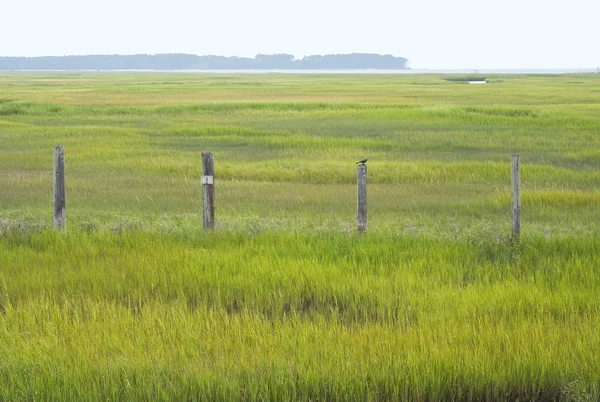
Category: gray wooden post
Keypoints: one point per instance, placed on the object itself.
(516, 198)
(60, 215)
(208, 191)
(362, 197)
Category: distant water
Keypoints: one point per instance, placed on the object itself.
(415, 71)
(369, 71)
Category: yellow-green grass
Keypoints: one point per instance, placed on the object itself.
(297, 316)
(133, 144)
(283, 301)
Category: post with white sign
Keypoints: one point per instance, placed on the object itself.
(516, 198)
(362, 197)
(208, 191)
(60, 214)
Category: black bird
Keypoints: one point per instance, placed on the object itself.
(363, 161)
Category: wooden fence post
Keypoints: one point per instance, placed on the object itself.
(60, 216)
(362, 197)
(208, 191)
(516, 198)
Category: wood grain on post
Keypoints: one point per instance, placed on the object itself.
(362, 197)
(60, 215)
(208, 191)
(516, 197)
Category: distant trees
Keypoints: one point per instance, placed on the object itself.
(175, 61)
(355, 61)
(274, 61)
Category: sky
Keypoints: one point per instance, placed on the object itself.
(432, 34)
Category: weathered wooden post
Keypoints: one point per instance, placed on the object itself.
(516, 198)
(60, 216)
(362, 197)
(208, 191)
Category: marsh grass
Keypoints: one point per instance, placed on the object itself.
(283, 301)
(297, 316)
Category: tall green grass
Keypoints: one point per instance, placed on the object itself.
(297, 316)
(283, 301)
(133, 144)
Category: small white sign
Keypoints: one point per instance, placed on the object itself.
(207, 180)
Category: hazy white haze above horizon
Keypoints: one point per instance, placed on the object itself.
(434, 34)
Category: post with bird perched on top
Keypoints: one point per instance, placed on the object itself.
(362, 195)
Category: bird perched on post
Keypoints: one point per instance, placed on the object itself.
(363, 161)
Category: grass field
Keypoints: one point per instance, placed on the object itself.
(283, 301)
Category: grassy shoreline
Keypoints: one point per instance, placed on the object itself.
(284, 301)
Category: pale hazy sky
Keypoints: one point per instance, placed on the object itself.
(430, 33)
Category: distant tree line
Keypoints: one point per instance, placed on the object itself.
(192, 62)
